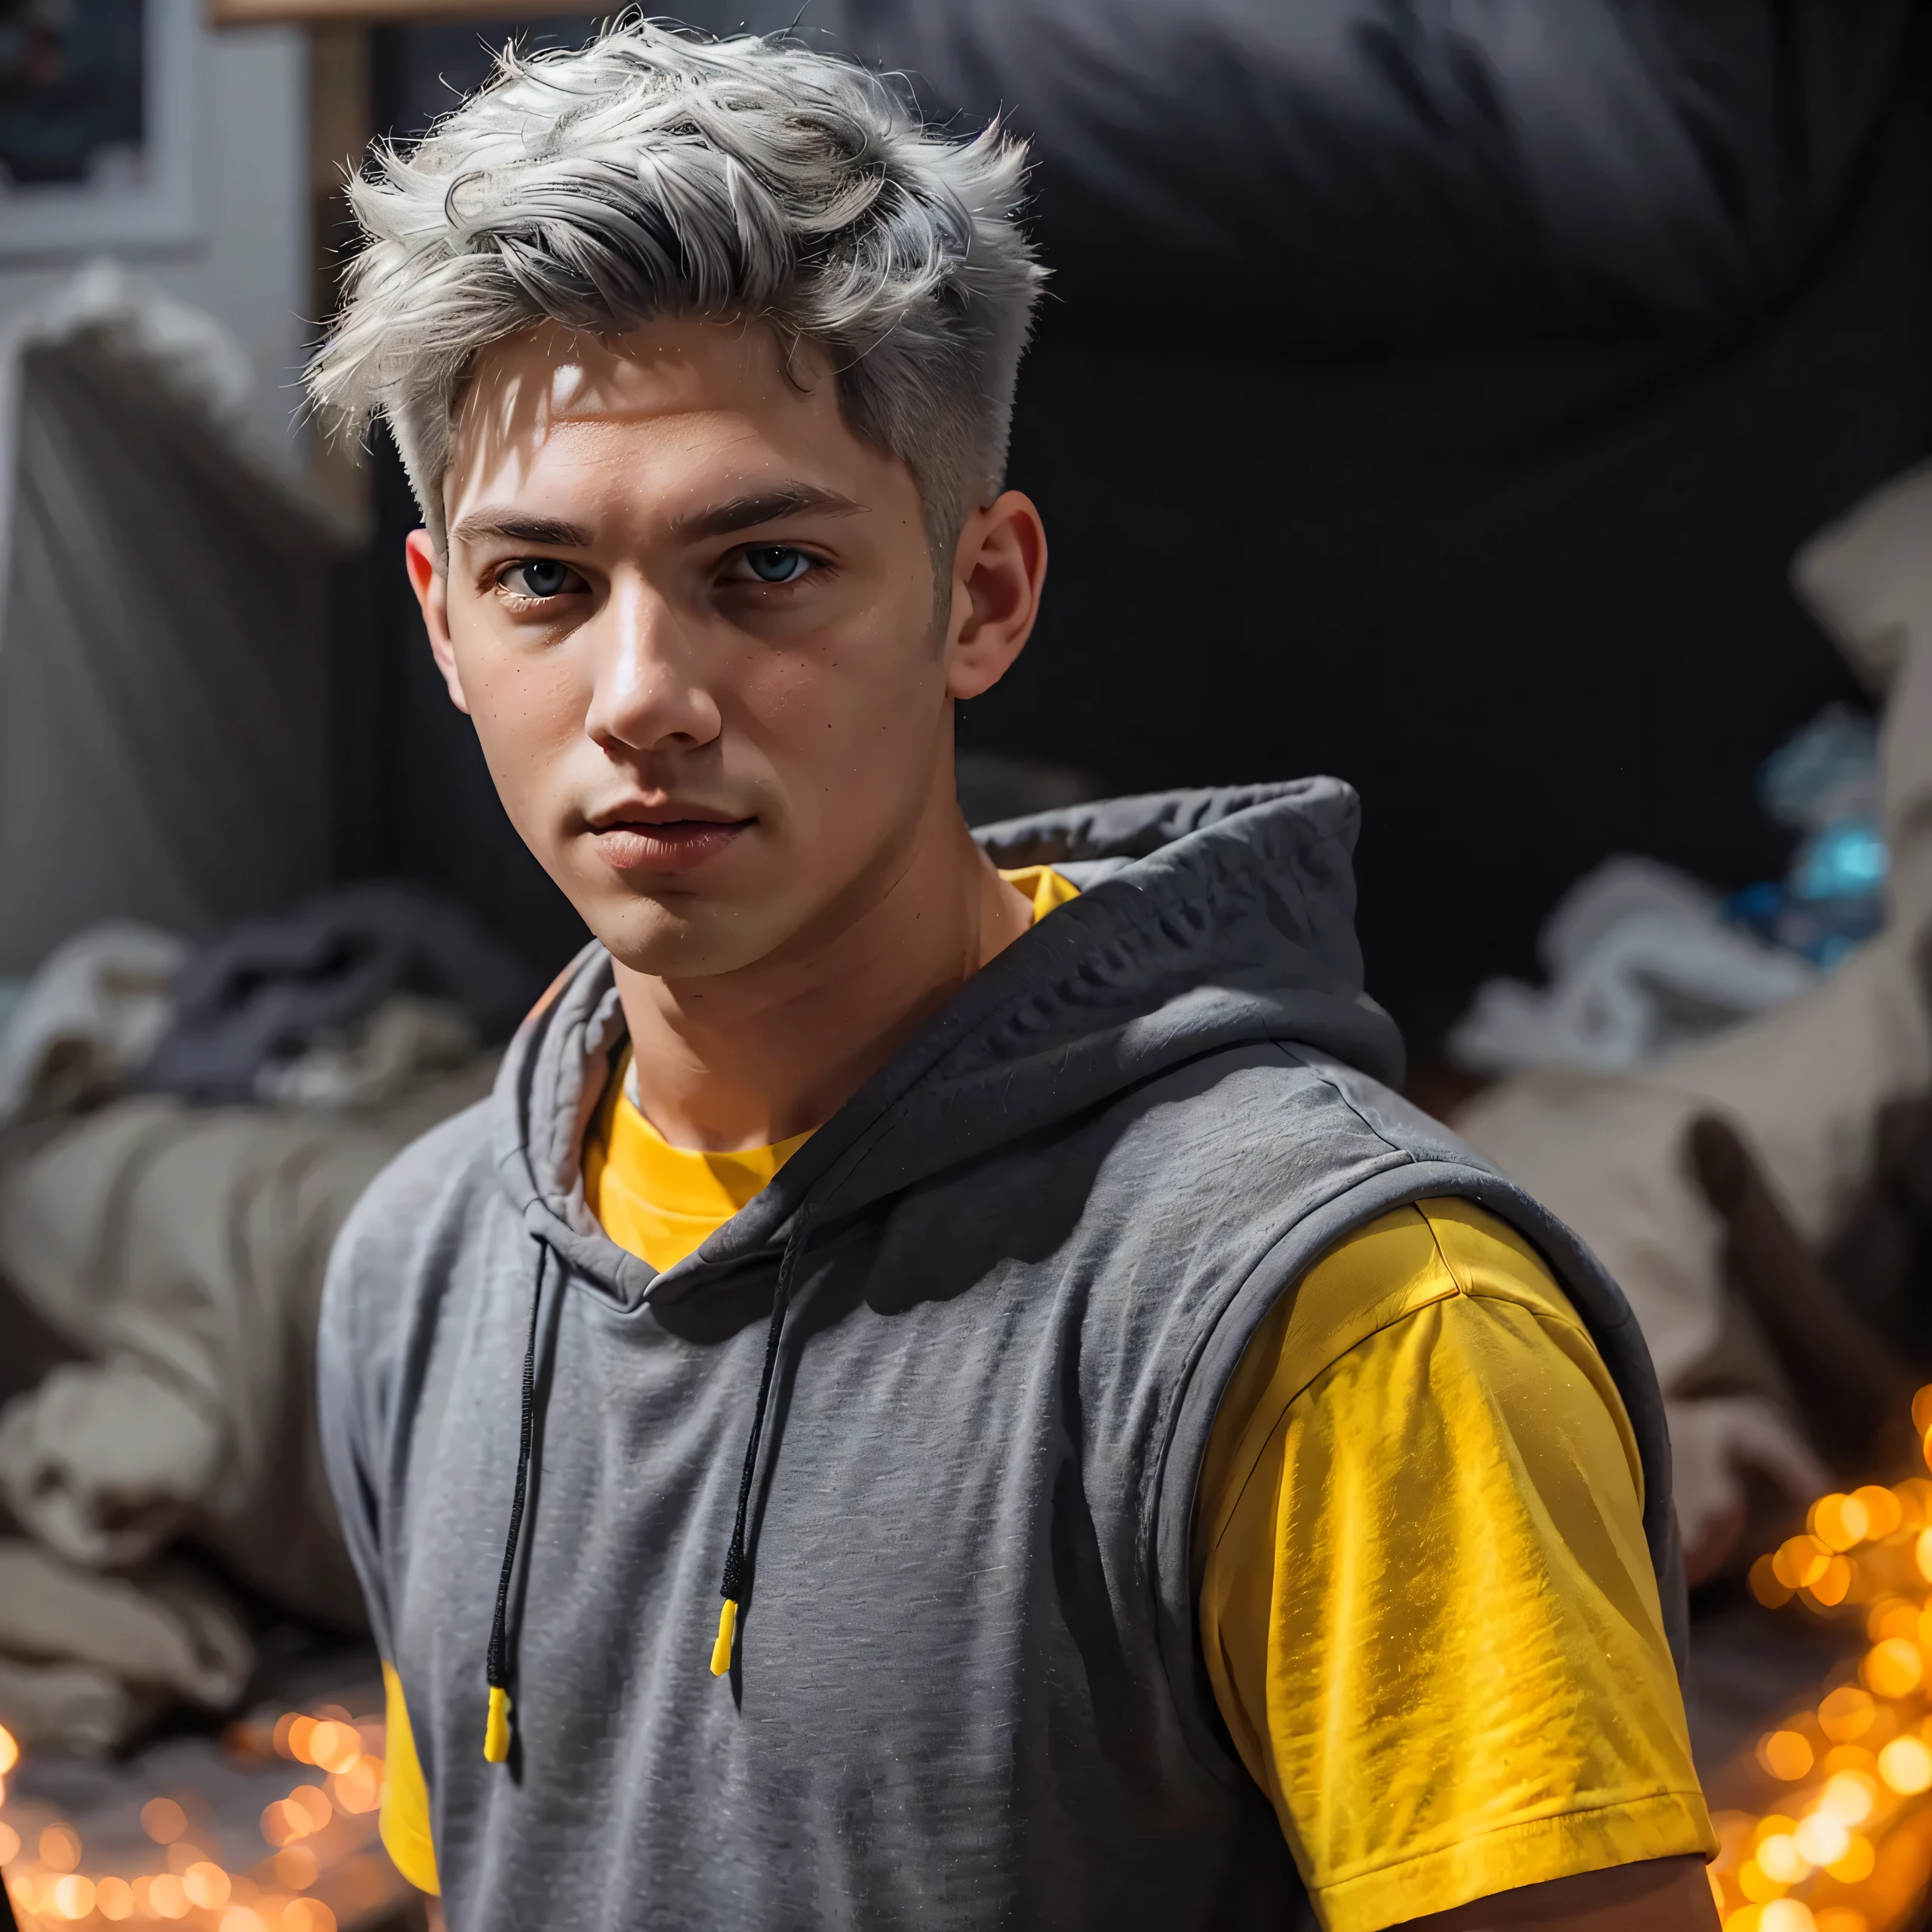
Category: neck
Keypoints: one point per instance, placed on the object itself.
(749, 1058)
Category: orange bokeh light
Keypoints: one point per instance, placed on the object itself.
(312, 1799)
(60, 1848)
(206, 1884)
(1845, 1713)
(1839, 1522)
(1786, 1755)
(360, 1788)
(1800, 1561)
(1906, 1764)
(1857, 1865)
(73, 1896)
(1834, 1586)
(334, 1747)
(1893, 1667)
(295, 1867)
(1883, 1512)
(163, 1821)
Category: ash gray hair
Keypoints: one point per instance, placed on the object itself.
(657, 171)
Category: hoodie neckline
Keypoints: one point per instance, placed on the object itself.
(1205, 918)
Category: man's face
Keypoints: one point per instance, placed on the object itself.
(692, 617)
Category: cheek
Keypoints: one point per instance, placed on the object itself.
(528, 705)
(848, 723)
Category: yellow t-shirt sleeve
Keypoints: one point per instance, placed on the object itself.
(405, 1812)
(1427, 1607)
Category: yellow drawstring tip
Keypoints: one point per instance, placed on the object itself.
(497, 1731)
(721, 1651)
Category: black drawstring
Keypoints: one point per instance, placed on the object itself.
(732, 1586)
(496, 1727)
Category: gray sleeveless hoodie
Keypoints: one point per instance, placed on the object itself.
(1019, 1268)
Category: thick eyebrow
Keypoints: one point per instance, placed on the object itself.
(783, 499)
(513, 528)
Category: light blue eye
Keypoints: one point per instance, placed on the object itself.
(776, 563)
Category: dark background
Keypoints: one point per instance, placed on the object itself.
(72, 77)
(1530, 598)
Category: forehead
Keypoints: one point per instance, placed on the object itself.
(678, 406)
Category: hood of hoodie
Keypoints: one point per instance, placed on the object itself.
(1207, 919)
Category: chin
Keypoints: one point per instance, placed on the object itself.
(694, 941)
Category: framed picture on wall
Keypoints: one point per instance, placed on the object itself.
(97, 124)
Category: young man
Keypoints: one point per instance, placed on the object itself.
(930, 1393)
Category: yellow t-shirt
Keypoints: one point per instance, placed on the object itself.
(1427, 1608)
(1425, 1602)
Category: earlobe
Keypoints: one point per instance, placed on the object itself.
(431, 584)
(1001, 564)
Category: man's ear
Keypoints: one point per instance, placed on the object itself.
(999, 568)
(433, 592)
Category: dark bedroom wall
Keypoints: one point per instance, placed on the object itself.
(1533, 603)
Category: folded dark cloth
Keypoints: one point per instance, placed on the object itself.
(270, 990)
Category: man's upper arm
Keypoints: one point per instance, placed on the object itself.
(1666, 1895)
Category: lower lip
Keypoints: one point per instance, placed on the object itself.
(675, 847)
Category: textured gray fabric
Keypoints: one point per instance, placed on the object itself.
(968, 1690)
(86, 1659)
(259, 997)
(1351, 173)
(180, 1252)
(164, 638)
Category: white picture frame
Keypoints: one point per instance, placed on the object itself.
(149, 200)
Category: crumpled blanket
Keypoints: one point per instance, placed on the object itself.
(1640, 964)
(180, 1252)
(86, 1659)
(375, 1060)
(1804, 1085)
(108, 1460)
(269, 991)
(93, 1011)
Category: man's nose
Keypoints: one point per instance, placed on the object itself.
(650, 693)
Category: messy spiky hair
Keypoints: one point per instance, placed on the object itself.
(656, 171)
